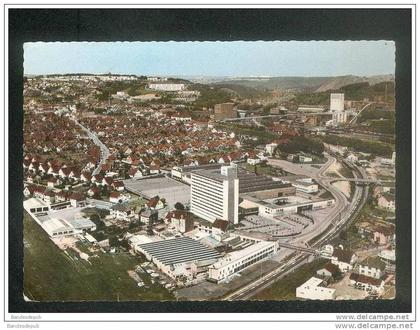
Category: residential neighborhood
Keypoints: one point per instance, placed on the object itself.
(184, 189)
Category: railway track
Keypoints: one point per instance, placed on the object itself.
(340, 223)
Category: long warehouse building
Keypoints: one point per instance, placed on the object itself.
(172, 255)
(237, 261)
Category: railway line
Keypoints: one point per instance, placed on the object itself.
(339, 222)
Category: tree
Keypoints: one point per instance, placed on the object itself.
(113, 241)
(179, 206)
(343, 235)
(301, 144)
(97, 221)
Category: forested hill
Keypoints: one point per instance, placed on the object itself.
(306, 84)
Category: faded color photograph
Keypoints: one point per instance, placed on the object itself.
(181, 171)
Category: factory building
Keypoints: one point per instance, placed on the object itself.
(310, 109)
(179, 256)
(54, 225)
(314, 289)
(215, 194)
(167, 87)
(302, 183)
(263, 187)
(237, 261)
(271, 208)
(224, 111)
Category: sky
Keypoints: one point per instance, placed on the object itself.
(237, 58)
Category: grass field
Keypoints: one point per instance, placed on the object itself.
(285, 288)
(264, 169)
(52, 275)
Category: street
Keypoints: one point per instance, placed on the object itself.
(104, 150)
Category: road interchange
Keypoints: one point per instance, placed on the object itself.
(341, 217)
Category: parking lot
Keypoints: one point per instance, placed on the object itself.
(284, 225)
(173, 191)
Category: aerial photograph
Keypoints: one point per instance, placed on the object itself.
(190, 171)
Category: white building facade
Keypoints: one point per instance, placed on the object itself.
(215, 195)
(312, 289)
(237, 261)
(306, 185)
(340, 117)
(165, 87)
(336, 102)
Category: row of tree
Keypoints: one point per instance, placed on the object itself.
(371, 147)
(302, 144)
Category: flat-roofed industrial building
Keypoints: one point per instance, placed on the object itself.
(172, 256)
(237, 261)
(263, 187)
(314, 289)
(266, 186)
(53, 223)
(286, 205)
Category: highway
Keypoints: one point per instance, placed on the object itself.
(104, 149)
(354, 119)
(340, 218)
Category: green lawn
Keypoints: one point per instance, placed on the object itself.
(345, 171)
(285, 288)
(51, 275)
(264, 169)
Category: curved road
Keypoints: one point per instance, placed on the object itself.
(340, 217)
(354, 119)
(104, 149)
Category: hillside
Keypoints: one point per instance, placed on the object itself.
(339, 82)
(304, 84)
(241, 90)
(354, 91)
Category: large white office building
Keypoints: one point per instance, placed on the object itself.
(336, 102)
(215, 194)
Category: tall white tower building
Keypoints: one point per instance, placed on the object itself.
(336, 102)
(215, 194)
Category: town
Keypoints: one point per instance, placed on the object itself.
(163, 188)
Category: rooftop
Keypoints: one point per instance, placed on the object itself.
(55, 224)
(280, 202)
(81, 223)
(179, 250)
(365, 279)
(313, 281)
(211, 174)
(250, 182)
(373, 262)
(234, 256)
(33, 203)
(187, 169)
